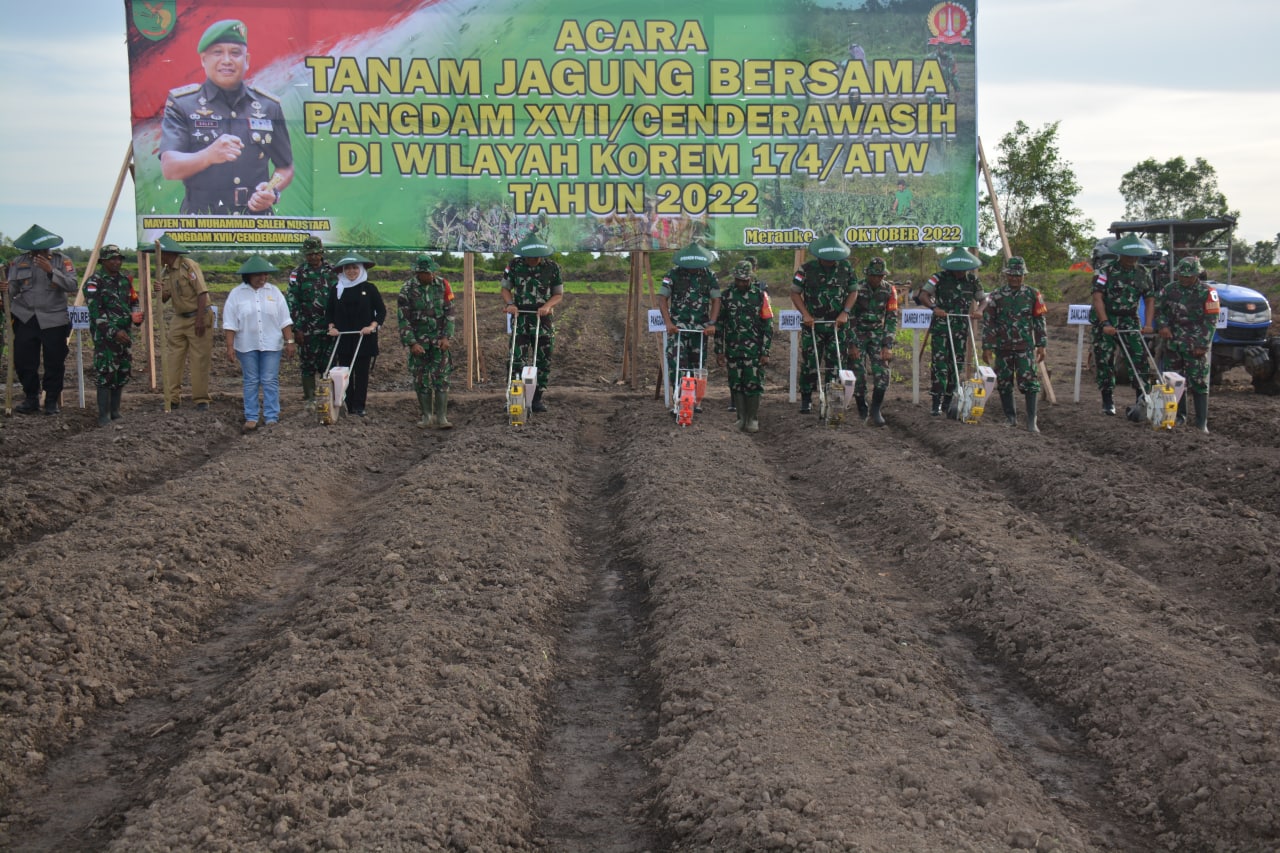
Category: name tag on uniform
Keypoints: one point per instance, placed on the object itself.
(204, 122)
(260, 124)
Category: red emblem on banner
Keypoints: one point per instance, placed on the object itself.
(949, 23)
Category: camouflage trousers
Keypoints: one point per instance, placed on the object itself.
(431, 370)
(746, 376)
(112, 364)
(1106, 352)
(1194, 368)
(313, 353)
(869, 354)
(1018, 368)
(526, 330)
(941, 344)
(694, 351)
(828, 344)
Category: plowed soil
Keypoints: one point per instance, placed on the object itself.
(604, 632)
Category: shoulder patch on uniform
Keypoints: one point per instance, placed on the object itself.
(184, 90)
(270, 96)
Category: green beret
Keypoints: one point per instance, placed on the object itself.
(167, 244)
(829, 248)
(109, 251)
(36, 238)
(229, 30)
(255, 264)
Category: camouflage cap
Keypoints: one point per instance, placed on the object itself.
(1189, 266)
(1132, 245)
(256, 264)
(109, 251)
(36, 238)
(534, 248)
(876, 266)
(1015, 266)
(312, 244)
(229, 30)
(165, 243)
(829, 248)
(742, 270)
(425, 263)
(693, 257)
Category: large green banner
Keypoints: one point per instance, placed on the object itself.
(596, 124)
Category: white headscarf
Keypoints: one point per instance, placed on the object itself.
(344, 282)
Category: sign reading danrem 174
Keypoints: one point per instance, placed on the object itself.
(599, 125)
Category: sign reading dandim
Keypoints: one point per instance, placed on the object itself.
(599, 126)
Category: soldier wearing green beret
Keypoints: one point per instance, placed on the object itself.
(309, 285)
(220, 136)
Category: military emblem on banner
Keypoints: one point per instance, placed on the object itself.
(949, 23)
(155, 18)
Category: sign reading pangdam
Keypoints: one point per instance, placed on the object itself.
(594, 124)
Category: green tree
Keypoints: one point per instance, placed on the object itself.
(1172, 190)
(1263, 254)
(1036, 190)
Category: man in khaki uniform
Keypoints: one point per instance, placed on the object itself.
(181, 283)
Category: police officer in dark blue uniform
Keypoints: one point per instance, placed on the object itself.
(221, 137)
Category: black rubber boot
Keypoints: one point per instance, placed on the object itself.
(29, 406)
(51, 401)
(937, 404)
(861, 401)
(1010, 412)
(733, 400)
(806, 402)
(104, 406)
(877, 399)
(1202, 411)
(1032, 398)
(116, 395)
(1108, 404)
(536, 406)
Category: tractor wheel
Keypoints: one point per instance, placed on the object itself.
(1270, 385)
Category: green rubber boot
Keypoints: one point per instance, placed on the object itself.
(740, 406)
(116, 395)
(309, 392)
(441, 408)
(104, 405)
(424, 405)
(752, 422)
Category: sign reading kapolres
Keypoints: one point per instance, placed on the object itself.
(596, 124)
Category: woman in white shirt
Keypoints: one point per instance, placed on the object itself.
(258, 326)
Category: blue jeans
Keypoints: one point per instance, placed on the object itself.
(261, 371)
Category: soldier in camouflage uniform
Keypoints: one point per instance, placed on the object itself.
(689, 298)
(874, 322)
(309, 285)
(951, 291)
(108, 297)
(1186, 314)
(823, 289)
(1013, 331)
(531, 283)
(424, 311)
(744, 336)
(1117, 289)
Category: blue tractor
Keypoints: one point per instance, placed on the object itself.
(1246, 340)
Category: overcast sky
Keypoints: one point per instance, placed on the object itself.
(1127, 79)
